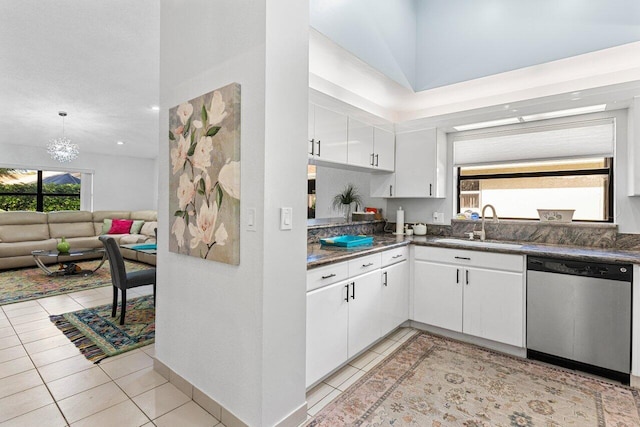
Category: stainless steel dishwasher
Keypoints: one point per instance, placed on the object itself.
(579, 315)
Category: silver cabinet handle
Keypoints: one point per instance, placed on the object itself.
(376, 160)
(313, 147)
(371, 161)
(397, 256)
(329, 276)
(347, 286)
(318, 148)
(367, 265)
(385, 278)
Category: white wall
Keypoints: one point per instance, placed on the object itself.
(237, 333)
(119, 182)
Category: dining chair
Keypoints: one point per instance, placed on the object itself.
(123, 280)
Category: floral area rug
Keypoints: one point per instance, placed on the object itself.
(431, 382)
(98, 335)
(32, 283)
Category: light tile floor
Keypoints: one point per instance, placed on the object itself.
(45, 381)
(320, 395)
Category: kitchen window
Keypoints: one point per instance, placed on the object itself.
(558, 164)
(517, 190)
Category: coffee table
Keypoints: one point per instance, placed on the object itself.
(66, 258)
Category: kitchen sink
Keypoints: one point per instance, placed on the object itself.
(480, 243)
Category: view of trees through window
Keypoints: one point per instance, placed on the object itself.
(517, 190)
(36, 190)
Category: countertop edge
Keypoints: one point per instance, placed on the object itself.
(356, 254)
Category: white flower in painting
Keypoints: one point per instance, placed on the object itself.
(229, 178)
(179, 154)
(202, 155)
(197, 124)
(177, 229)
(221, 235)
(186, 191)
(217, 113)
(184, 112)
(205, 223)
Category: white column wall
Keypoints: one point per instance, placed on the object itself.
(119, 182)
(237, 332)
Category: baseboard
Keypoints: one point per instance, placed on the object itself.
(219, 412)
(634, 381)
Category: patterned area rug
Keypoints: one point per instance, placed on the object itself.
(433, 381)
(32, 283)
(98, 335)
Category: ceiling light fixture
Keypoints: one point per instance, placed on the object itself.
(120, 142)
(480, 125)
(155, 108)
(565, 113)
(61, 149)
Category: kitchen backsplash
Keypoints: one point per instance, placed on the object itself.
(316, 232)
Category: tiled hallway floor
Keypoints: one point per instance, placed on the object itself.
(45, 381)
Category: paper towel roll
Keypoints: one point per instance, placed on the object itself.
(400, 221)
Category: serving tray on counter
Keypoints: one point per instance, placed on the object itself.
(347, 241)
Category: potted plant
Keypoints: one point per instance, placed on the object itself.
(343, 200)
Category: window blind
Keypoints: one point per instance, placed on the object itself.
(593, 138)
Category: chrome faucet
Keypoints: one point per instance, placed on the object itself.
(494, 217)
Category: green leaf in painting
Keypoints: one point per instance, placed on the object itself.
(179, 213)
(193, 137)
(213, 130)
(192, 149)
(202, 186)
(219, 195)
(203, 113)
(171, 136)
(200, 191)
(185, 132)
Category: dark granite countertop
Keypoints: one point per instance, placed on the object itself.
(318, 255)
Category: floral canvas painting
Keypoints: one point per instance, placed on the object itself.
(204, 187)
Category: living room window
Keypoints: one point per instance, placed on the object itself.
(38, 190)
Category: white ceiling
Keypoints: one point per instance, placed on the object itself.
(98, 61)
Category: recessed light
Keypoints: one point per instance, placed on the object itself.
(564, 113)
(480, 125)
(120, 142)
(155, 108)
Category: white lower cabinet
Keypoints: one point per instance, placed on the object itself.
(364, 312)
(327, 318)
(394, 306)
(471, 292)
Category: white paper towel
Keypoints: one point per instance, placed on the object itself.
(400, 221)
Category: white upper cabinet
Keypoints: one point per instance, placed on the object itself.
(328, 141)
(420, 164)
(360, 145)
(384, 144)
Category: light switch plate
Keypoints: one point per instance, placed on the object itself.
(286, 218)
(251, 219)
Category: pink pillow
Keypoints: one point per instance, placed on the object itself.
(120, 226)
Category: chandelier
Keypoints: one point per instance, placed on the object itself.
(61, 149)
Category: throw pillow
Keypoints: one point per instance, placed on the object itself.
(120, 226)
(136, 226)
(147, 228)
(106, 225)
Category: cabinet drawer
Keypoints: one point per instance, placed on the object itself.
(323, 276)
(395, 255)
(493, 260)
(364, 264)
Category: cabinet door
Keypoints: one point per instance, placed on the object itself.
(364, 311)
(394, 307)
(360, 144)
(327, 319)
(437, 295)
(384, 147)
(383, 185)
(420, 164)
(494, 305)
(330, 135)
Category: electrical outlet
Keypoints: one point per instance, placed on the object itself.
(438, 217)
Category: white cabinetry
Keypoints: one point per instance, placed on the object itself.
(346, 316)
(370, 147)
(327, 317)
(476, 293)
(327, 135)
(394, 307)
(420, 163)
